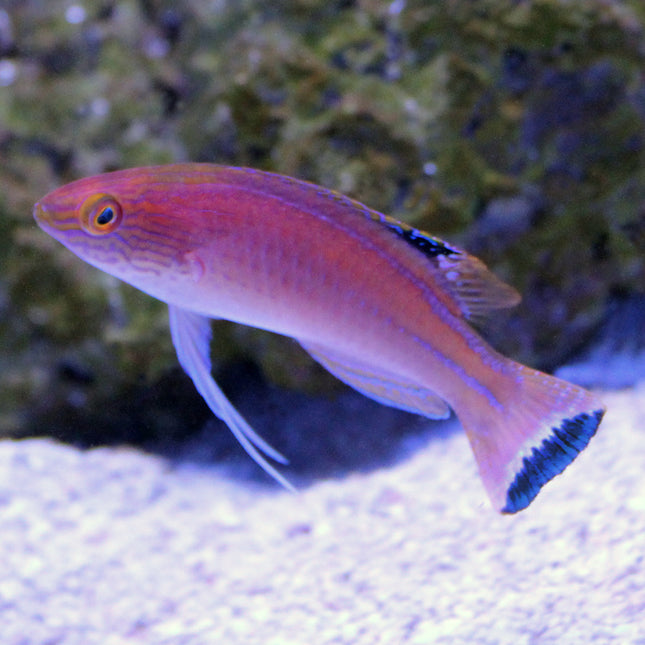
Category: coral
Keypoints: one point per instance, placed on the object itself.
(513, 129)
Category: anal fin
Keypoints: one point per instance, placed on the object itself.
(380, 385)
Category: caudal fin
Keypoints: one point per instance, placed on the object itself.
(533, 438)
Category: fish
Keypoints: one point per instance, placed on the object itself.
(386, 308)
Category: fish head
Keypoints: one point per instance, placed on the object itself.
(130, 224)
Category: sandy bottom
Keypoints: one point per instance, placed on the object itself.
(113, 546)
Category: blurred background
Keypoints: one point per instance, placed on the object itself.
(513, 129)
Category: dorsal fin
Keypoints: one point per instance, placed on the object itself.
(428, 244)
(476, 290)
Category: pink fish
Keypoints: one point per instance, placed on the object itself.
(383, 306)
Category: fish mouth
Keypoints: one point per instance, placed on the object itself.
(43, 217)
(40, 213)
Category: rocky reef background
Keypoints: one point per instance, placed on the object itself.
(513, 129)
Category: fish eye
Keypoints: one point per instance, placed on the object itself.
(105, 216)
(100, 214)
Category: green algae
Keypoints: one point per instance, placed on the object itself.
(514, 129)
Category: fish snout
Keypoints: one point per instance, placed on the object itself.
(45, 217)
(41, 214)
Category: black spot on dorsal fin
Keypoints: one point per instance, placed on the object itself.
(476, 290)
(431, 246)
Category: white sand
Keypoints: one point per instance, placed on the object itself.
(114, 546)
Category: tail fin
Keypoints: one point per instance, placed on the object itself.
(534, 438)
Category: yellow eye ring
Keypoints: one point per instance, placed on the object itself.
(100, 214)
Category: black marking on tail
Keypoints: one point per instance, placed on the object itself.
(550, 459)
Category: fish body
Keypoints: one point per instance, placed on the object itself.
(381, 305)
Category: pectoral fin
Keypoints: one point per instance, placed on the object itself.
(191, 335)
(380, 385)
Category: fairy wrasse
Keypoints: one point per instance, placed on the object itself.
(383, 306)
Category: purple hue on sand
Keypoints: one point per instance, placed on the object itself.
(113, 546)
